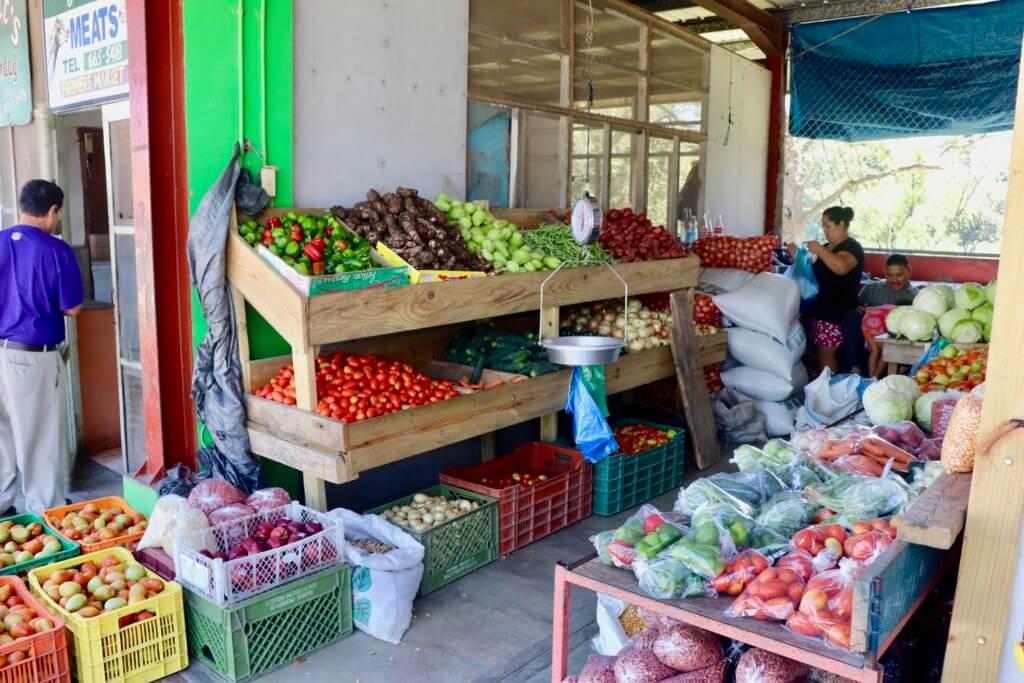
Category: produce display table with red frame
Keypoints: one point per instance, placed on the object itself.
(885, 597)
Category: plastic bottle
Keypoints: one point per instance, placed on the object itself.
(719, 227)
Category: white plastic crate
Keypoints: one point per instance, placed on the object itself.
(226, 582)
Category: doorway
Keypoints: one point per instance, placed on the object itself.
(106, 387)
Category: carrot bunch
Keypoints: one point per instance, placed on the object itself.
(864, 454)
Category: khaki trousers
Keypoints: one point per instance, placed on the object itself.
(33, 437)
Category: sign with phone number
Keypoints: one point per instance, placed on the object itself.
(86, 52)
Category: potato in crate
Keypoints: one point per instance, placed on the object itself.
(230, 562)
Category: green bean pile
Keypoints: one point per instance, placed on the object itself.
(555, 239)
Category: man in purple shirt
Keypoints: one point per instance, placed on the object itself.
(40, 283)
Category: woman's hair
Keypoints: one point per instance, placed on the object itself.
(839, 214)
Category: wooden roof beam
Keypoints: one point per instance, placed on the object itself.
(765, 29)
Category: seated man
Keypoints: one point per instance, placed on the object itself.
(877, 299)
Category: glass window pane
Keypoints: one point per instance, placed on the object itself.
(690, 182)
(678, 82)
(134, 423)
(657, 188)
(622, 170)
(121, 170)
(127, 298)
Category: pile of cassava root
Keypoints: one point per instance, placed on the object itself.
(413, 228)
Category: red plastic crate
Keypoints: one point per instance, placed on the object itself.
(47, 652)
(157, 561)
(527, 514)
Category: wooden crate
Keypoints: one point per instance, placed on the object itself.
(340, 451)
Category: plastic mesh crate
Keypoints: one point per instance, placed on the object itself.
(623, 481)
(110, 501)
(67, 548)
(527, 514)
(267, 632)
(46, 654)
(228, 582)
(102, 650)
(157, 561)
(458, 546)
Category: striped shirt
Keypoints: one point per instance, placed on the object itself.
(878, 294)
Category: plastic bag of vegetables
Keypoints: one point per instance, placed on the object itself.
(776, 455)
(787, 513)
(744, 491)
(857, 497)
(666, 578)
(722, 525)
(645, 534)
(891, 400)
(700, 558)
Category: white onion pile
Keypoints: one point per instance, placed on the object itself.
(647, 329)
(425, 512)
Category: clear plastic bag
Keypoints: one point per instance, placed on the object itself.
(861, 450)
(942, 411)
(827, 605)
(744, 491)
(856, 497)
(666, 578)
(720, 524)
(772, 596)
(647, 532)
(787, 512)
(799, 561)
(866, 547)
(819, 538)
(961, 438)
(776, 455)
(743, 569)
(909, 437)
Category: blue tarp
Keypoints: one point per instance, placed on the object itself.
(943, 71)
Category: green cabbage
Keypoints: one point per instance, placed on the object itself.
(947, 292)
(903, 385)
(967, 332)
(931, 300)
(923, 408)
(990, 292)
(886, 403)
(986, 333)
(970, 295)
(950, 318)
(892, 320)
(917, 325)
(983, 314)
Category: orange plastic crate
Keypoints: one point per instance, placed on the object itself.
(47, 660)
(109, 501)
(527, 514)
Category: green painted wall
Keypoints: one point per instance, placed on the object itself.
(222, 79)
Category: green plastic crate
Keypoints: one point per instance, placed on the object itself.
(623, 481)
(267, 632)
(68, 548)
(458, 546)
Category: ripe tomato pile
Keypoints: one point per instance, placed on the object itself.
(705, 312)
(637, 438)
(354, 388)
(631, 237)
(738, 573)
(752, 254)
(526, 480)
(713, 377)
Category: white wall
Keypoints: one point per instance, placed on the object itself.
(380, 98)
(71, 169)
(541, 177)
(736, 156)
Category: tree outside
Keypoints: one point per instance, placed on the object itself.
(937, 194)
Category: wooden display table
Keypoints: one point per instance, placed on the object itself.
(885, 596)
(411, 323)
(897, 352)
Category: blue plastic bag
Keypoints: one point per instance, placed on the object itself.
(931, 352)
(590, 429)
(802, 272)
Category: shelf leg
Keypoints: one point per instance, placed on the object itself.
(690, 376)
(549, 328)
(304, 364)
(560, 630)
(242, 336)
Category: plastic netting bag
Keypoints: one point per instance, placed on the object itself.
(760, 666)
(593, 435)
(857, 497)
(173, 515)
(687, 648)
(645, 533)
(961, 438)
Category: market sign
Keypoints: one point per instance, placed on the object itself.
(15, 74)
(86, 52)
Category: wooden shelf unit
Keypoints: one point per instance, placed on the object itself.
(413, 320)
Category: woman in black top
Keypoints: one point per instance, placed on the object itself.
(839, 265)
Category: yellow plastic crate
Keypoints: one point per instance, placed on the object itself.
(103, 651)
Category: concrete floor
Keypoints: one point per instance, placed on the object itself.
(493, 625)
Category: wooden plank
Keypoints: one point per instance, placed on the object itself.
(304, 364)
(566, 79)
(992, 535)
(692, 387)
(265, 289)
(307, 458)
(341, 316)
(672, 217)
(937, 516)
(295, 423)
(241, 336)
(527, 219)
(549, 323)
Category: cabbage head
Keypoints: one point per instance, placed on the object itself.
(983, 314)
(923, 408)
(970, 295)
(967, 332)
(947, 292)
(931, 300)
(990, 292)
(892, 320)
(885, 404)
(917, 325)
(903, 385)
(950, 318)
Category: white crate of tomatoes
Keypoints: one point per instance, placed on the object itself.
(230, 562)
